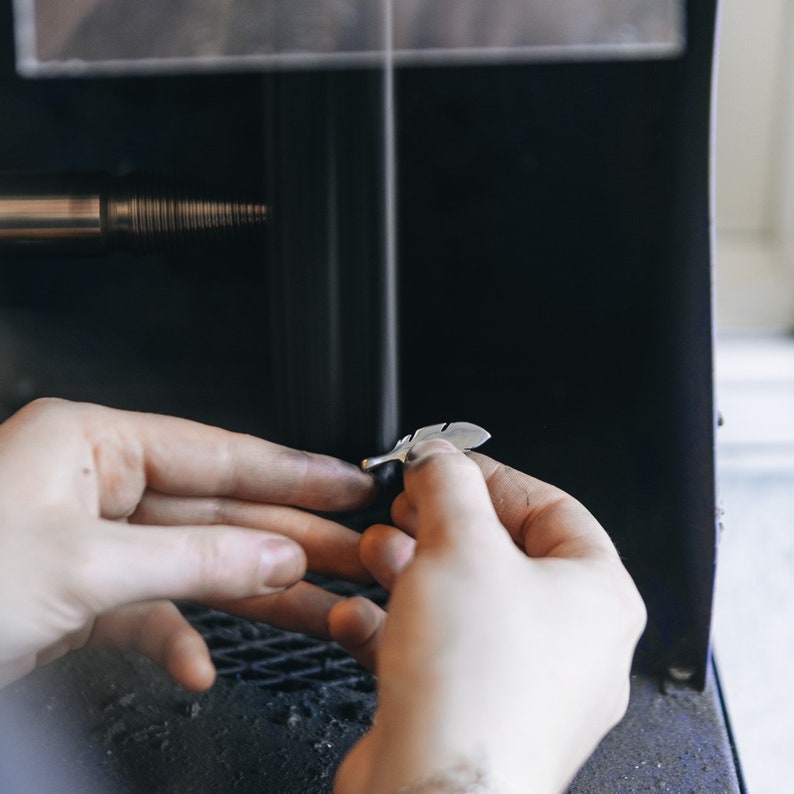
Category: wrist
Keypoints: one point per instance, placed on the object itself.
(462, 778)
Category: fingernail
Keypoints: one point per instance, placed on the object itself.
(282, 562)
(424, 449)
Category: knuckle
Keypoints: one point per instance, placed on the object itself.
(47, 403)
(627, 603)
(640, 615)
(210, 555)
(119, 464)
(220, 568)
(227, 464)
(633, 609)
(44, 407)
(217, 511)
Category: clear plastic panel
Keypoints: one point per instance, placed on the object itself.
(101, 36)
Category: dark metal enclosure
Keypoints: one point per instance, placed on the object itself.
(543, 269)
(555, 280)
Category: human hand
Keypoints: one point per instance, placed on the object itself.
(74, 571)
(506, 653)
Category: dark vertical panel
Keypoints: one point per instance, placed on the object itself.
(328, 261)
(555, 272)
(691, 391)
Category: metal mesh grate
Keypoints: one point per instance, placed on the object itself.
(272, 658)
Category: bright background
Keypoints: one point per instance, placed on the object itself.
(754, 174)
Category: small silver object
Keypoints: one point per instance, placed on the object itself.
(463, 435)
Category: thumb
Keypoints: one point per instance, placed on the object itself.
(124, 564)
(449, 494)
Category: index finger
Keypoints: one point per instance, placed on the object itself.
(542, 519)
(186, 458)
(111, 456)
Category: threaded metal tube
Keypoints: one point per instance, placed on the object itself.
(148, 214)
(140, 213)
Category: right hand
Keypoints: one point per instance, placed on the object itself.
(509, 638)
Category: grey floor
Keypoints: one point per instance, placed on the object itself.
(754, 609)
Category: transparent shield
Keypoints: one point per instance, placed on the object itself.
(88, 36)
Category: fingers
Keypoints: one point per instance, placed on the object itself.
(354, 623)
(385, 551)
(331, 549)
(404, 514)
(357, 625)
(542, 519)
(188, 458)
(106, 457)
(160, 632)
(108, 564)
(304, 608)
(450, 497)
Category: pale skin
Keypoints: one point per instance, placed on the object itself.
(508, 586)
(500, 584)
(220, 520)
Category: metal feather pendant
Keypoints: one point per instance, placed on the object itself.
(463, 435)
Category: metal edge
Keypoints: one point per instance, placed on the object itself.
(28, 65)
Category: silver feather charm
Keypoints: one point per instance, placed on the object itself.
(463, 435)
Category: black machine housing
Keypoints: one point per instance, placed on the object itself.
(548, 277)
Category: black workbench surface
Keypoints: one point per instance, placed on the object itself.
(102, 722)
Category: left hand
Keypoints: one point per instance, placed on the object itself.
(74, 572)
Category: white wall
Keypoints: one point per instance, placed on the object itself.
(755, 165)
